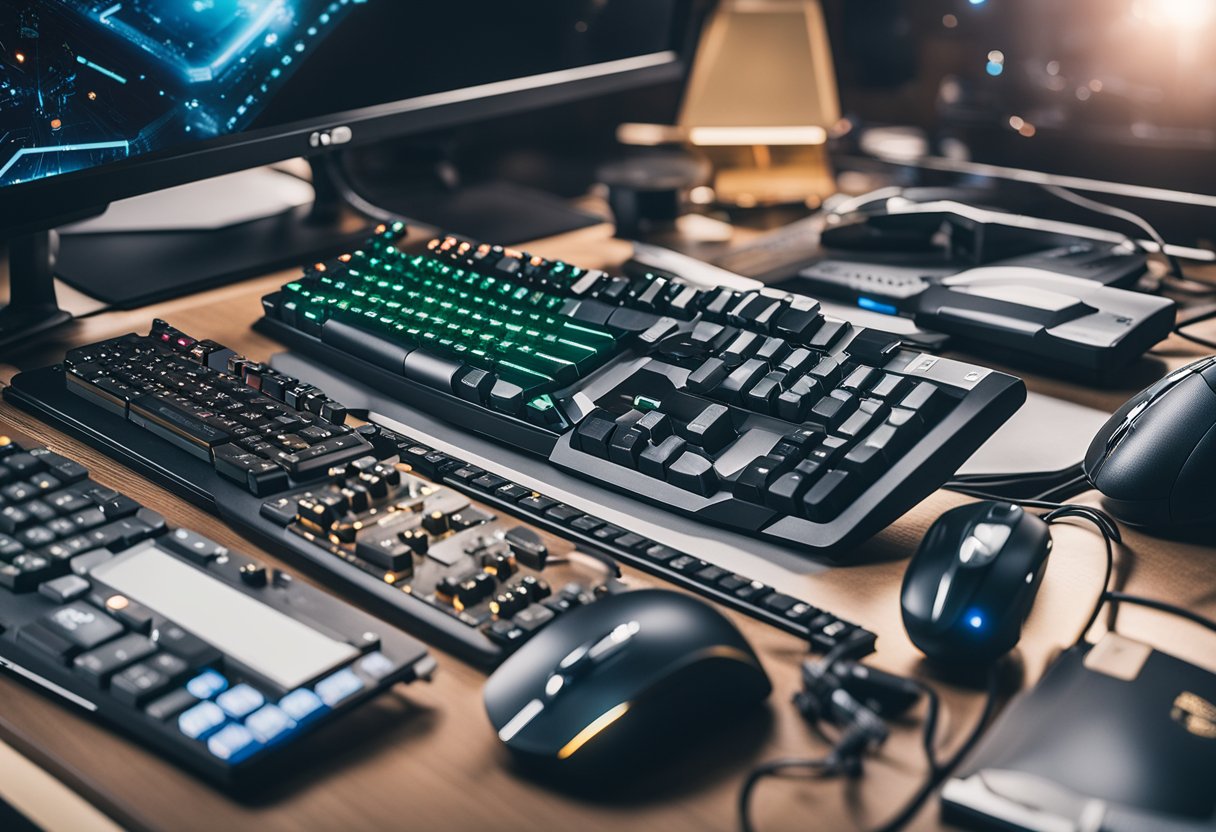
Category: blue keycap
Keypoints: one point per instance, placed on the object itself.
(232, 743)
(269, 724)
(201, 720)
(207, 684)
(376, 665)
(333, 689)
(240, 701)
(302, 705)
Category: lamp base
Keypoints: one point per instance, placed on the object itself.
(767, 176)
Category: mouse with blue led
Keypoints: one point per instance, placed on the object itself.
(971, 584)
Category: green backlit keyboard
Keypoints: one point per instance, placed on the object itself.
(752, 410)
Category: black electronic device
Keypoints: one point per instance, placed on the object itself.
(617, 679)
(1114, 736)
(972, 581)
(105, 103)
(422, 533)
(205, 654)
(1110, 97)
(1154, 460)
(1029, 292)
(750, 409)
(954, 235)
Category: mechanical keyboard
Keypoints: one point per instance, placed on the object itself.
(150, 627)
(429, 538)
(751, 410)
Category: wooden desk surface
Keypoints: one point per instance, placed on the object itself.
(425, 756)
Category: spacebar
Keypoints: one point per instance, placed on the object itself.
(183, 430)
(361, 343)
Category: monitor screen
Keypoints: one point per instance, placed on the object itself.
(85, 84)
(1115, 90)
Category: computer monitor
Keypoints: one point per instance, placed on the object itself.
(1114, 97)
(106, 99)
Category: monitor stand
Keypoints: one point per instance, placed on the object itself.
(32, 307)
(127, 266)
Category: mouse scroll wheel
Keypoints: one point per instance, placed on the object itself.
(982, 545)
(592, 652)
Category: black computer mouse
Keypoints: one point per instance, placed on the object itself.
(1155, 459)
(611, 685)
(971, 584)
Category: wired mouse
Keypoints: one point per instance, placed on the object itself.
(1155, 459)
(612, 683)
(972, 581)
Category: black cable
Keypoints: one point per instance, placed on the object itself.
(1106, 519)
(1180, 329)
(846, 759)
(822, 767)
(933, 704)
(1195, 339)
(939, 773)
(1175, 267)
(335, 167)
(1108, 539)
(1153, 603)
(1044, 485)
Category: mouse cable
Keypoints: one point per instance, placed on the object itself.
(846, 756)
(1201, 316)
(1096, 515)
(1161, 606)
(1175, 267)
(1046, 486)
(1110, 536)
(938, 773)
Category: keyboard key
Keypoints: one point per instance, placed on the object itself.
(302, 705)
(139, 683)
(586, 523)
(64, 589)
(83, 625)
(207, 684)
(376, 665)
(712, 429)
(270, 724)
(240, 701)
(693, 472)
(827, 497)
(201, 721)
(334, 689)
(563, 513)
(171, 704)
(38, 636)
(656, 459)
(536, 504)
(99, 664)
(779, 603)
(232, 743)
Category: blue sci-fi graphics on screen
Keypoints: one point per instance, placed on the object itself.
(86, 83)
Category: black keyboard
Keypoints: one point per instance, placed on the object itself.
(207, 655)
(750, 410)
(423, 534)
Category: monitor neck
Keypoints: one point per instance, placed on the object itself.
(32, 307)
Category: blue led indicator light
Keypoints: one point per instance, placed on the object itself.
(877, 306)
(976, 621)
(995, 68)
